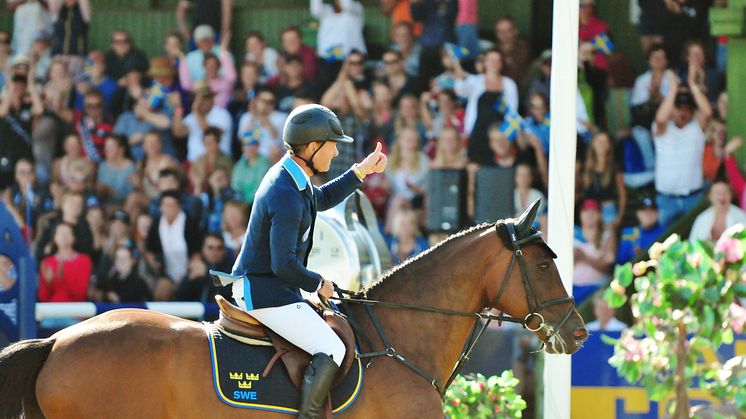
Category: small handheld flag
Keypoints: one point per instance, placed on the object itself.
(456, 51)
(335, 53)
(512, 125)
(603, 43)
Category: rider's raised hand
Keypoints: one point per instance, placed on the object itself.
(374, 163)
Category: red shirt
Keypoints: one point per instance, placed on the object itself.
(67, 283)
(590, 30)
(98, 130)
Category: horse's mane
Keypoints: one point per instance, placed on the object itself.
(403, 267)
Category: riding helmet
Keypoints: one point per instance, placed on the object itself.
(309, 123)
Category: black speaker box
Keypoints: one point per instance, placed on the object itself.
(446, 191)
(493, 194)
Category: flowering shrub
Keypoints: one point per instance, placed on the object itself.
(477, 397)
(686, 302)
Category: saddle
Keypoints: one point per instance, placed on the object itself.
(238, 322)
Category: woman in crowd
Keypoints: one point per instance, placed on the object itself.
(64, 274)
(714, 154)
(212, 159)
(122, 284)
(220, 74)
(721, 215)
(524, 193)
(449, 151)
(408, 116)
(235, 221)
(407, 173)
(96, 220)
(73, 155)
(406, 240)
(154, 160)
(440, 111)
(603, 181)
(489, 97)
(115, 173)
(595, 249)
(265, 57)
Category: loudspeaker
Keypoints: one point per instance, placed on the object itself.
(493, 194)
(446, 191)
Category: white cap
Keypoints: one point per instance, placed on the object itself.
(203, 32)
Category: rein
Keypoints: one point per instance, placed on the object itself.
(476, 331)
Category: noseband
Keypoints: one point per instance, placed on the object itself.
(531, 299)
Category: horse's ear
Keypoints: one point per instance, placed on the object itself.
(526, 220)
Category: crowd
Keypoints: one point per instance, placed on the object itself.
(135, 175)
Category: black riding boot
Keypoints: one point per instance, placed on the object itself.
(316, 382)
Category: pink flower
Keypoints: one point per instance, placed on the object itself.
(730, 247)
(633, 348)
(738, 317)
(694, 259)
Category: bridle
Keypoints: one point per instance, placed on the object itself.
(476, 332)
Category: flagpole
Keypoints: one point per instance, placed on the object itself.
(563, 95)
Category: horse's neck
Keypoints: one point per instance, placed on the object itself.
(445, 280)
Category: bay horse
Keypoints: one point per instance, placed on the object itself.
(133, 363)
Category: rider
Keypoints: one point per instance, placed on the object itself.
(278, 241)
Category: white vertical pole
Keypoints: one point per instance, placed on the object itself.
(563, 94)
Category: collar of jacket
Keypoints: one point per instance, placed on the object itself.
(295, 171)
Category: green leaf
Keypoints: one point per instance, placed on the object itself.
(613, 299)
(623, 274)
(608, 339)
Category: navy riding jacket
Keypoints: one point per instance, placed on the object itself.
(279, 238)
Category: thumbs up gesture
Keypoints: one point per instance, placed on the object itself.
(374, 163)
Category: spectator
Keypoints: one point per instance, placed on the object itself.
(235, 222)
(637, 239)
(489, 97)
(449, 151)
(595, 249)
(721, 215)
(94, 78)
(92, 126)
(267, 122)
(592, 84)
(214, 198)
(120, 233)
(204, 38)
(524, 193)
(58, 96)
(220, 82)
(169, 180)
(115, 173)
(651, 86)
(400, 12)
(198, 286)
(355, 70)
(516, 50)
(212, 158)
(605, 316)
(151, 164)
(290, 83)
(603, 181)
(340, 31)
(396, 78)
(5, 54)
(71, 212)
(40, 55)
(406, 241)
(96, 220)
(217, 15)
(541, 83)
(292, 44)
(29, 198)
(265, 57)
(65, 273)
(381, 110)
(679, 142)
(22, 105)
(404, 41)
(204, 114)
(721, 106)
(438, 19)
(592, 27)
(122, 284)
(173, 238)
(440, 111)
(706, 77)
(73, 156)
(538, 120)
(504, 153)
(467, 25)
(246, 89)
(715, 151)
(735, 177)
(408, 116)
(131, 88)
(123, 56)
(685, 19)
(71, 19)
(30, 18)
(406, 173)
(173, 48)
(249, 170)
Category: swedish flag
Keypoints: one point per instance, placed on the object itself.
(501, 105)
(603, 43)
(512, 125)
(251, 135)
(335, 53)
(456, 51)
(158, 95)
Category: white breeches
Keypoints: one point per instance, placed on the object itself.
(301, 326)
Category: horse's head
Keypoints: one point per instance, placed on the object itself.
(530, 287)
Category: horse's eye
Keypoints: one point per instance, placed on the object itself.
(543, 266)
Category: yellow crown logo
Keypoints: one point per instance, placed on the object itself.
(236, 376)
(252, 377)
(244, 384)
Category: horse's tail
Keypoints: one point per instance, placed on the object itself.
(20, 364)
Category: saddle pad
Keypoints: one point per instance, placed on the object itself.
(237, 375)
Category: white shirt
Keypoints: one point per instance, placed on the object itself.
(217, 117)
(702, 227)
(641, 91)
(614, 325)
(175, 251)
(29, 19)
(472, 86)
(269, 64)
(266, 141)
(678, 158)
(344, 29)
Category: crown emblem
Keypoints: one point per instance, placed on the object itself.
(236, 376)
(252, 377)
(244, 384)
